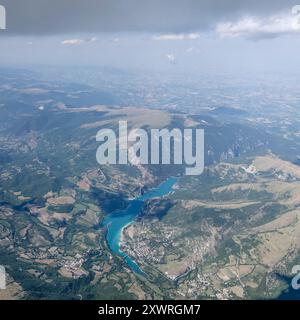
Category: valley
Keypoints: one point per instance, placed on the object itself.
(229, 233)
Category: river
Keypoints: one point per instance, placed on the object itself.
(116, 221)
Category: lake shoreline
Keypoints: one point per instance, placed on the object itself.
(116, 222)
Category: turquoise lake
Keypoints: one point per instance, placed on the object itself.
(116, 221)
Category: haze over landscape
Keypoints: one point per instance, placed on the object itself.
(73, 229)
(190, 36)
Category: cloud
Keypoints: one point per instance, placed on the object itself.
(261, 28)
(176, 37)
(42, 17)
(72, 42)
(171, 58)
(78, 41)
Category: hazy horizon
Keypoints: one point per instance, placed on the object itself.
(200, 36)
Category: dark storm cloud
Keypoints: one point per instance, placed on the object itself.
(40, 17)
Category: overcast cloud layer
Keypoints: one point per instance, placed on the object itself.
(40, 17)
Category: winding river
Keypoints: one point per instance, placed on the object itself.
(116, 221)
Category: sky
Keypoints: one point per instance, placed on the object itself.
(185, 35)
